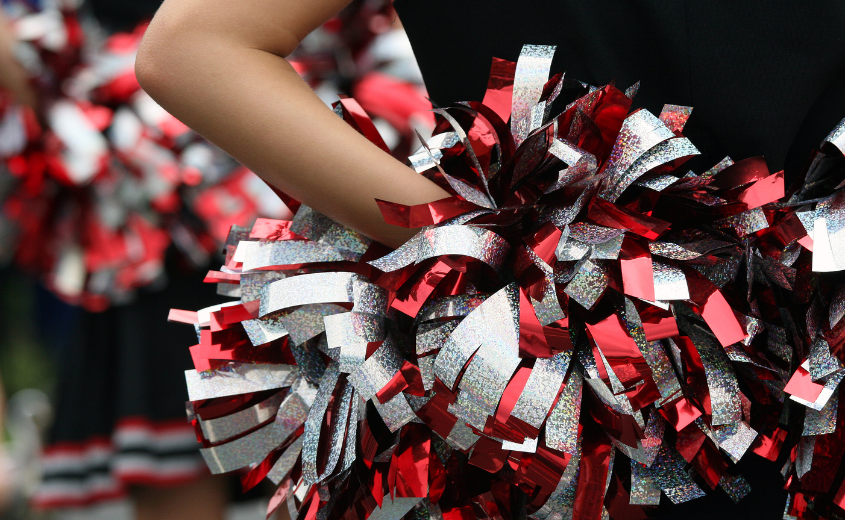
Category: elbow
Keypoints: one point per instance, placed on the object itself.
(157, 62)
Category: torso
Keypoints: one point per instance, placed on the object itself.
(764, 79)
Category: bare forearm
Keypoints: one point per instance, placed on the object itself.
(253, 104)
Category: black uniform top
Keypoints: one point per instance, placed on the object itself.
(123, 14)
(765, 77)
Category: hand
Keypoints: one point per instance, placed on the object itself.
(13, 77)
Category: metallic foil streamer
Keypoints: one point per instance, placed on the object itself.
(672, 251)
(252, 283)
(668, 472)
(432, 336)
(489, 371)
(837, 137)
(589, 284)
(394, 507)
(469, 241)
(237, 379)
(670, 283)
(320, 228)
(778, 344)
(532, 73)
(228, 426)
(827, 391)
(661, 370)
(494, 322)
(559, 506)
(736, 487)
(527, 446)
(461, 437)
(308, 321)
(377, 370)
(593, 234)
(640, 132)
(350, 332)
(661, 154)
(822, 362)
(542, 389)
(450, 306)
(644, 489)
(282, 467)
(421, 160)
(580, 164)
(837, 306)
(822, 422)
(261, 255)
(721, 381)
(735, 438)
(804, 455)
(562, 424)
(426, 365)
(294, 409)
(675, 117)
(829, 234)
(745, 223)
(240, 452)
(659, 183)
(261, 332)
(395, 413)
(331, 287)
(571, 250)
(313, 423)
(369, 298)
(339, 426)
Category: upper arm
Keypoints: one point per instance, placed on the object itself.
(275, 26)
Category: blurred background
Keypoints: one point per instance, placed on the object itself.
(107, 203)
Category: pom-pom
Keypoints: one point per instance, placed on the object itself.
(582, 327)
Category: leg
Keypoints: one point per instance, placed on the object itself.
(204, 499)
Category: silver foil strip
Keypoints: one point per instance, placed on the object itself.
(285, 463)
(532, 73)
(293, 411)
(260, 255)
(541, 389)
(339, 426)
(237, 379)
(226, 427)
(460, 240)
(241, 452)
(331, 287)
(822, 422)
(377, 370)
(662, 153)
(640, 132)
(562, 424)
(494, 322)
(350, 332)
(319, 228)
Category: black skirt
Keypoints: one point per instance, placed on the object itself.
(120, 417)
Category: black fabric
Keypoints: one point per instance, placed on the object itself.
(764, 77)
(123, 15)
(129, 361)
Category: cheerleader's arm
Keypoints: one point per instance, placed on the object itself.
(219, 66)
